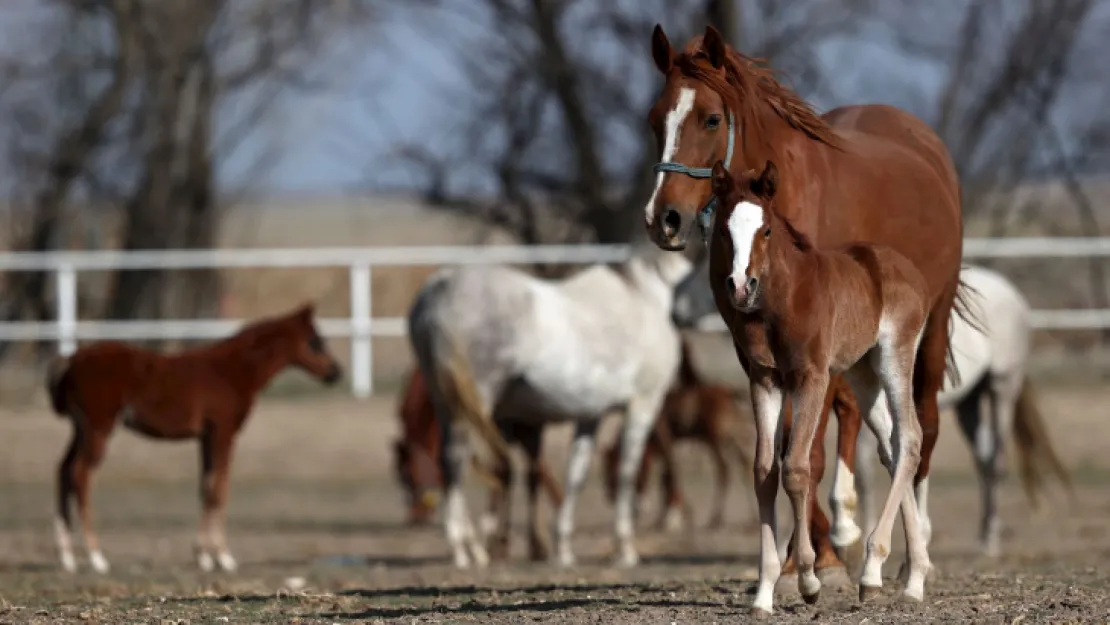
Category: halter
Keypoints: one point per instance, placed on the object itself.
(706, 213)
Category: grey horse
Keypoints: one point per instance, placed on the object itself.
(496, 343)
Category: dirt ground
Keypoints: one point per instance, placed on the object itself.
(316, 522)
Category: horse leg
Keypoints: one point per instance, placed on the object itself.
(716, 443)
(846, 534)
(63, 522)
(88, 458)
(807, 397)
(929, 370)
(578, 464)
(642, 414)
(820, 528)
(819, 523)
(866, 454)
(983, 435)
(671, 514)
(767, 401)
(497, 523)
(531, 438)
(899, 442)
(216, 448)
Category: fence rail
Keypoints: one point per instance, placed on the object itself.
(361, 326)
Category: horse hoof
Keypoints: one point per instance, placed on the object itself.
(811, 599)
(869, 593)
(759, 614)
(628, 560)
(539, 552)
(227, 562)
(912, 596)
(69, 563)
(205, 562)
(98, 562)
(851, 555)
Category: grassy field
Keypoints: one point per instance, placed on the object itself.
(316, 522)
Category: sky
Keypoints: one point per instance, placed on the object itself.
(333, 143)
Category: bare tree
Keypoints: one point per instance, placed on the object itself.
(555, 145)
(140, 85)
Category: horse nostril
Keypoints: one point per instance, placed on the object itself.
(752, 284)
(730, 284)
(672, 219)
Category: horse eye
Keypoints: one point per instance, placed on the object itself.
(316, 343)
(713, 122)
(767, 232)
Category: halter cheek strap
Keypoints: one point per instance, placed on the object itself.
(705, 215)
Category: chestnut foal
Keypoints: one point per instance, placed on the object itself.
(203, 393)
(859, 310)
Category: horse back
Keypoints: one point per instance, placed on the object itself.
(892, 183)
(889, 123)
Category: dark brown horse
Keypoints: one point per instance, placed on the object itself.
(416, 460)
(204, 393)
(870, 173)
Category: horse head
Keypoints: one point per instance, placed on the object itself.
(306, 350)
(744, 229)
(694, 125)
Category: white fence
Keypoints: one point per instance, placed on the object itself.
(361, 327)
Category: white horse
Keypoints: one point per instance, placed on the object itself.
(991, 367)
(494, 342)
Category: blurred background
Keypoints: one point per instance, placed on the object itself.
(173, 124)
(310, 124)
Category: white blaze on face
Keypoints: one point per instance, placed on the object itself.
(743, 224)
(673, 127)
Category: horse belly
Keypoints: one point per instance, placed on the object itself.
(556, 391)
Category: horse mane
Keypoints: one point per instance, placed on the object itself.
(801, 242)
(748, 80)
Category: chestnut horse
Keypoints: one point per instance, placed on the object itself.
(203, 393)
(870, 173)
(416, 458)
(859, 310)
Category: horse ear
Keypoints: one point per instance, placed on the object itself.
(768, 182)
(722, 180)
(714, 45)
(307, 311)
(661, 50)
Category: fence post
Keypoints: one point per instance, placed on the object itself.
(362, 362)
(66, 285)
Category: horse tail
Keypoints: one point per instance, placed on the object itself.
(962, 308)
(57, 385)
(456, 382)
(1034, 450)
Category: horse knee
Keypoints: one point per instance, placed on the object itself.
(795, 478)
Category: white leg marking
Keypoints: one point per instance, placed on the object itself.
(767, 402)
(205, 561)
(682, 107)
(64, 543)
(227, 561)
(843, 503)
(98, 562)
(638, 424)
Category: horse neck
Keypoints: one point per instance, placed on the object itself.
(787, 268)
(648, 282)
(255, 369)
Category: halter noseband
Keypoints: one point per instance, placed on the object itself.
(706, 213)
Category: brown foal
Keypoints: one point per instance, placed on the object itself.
(204, 393)
(859, 310)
